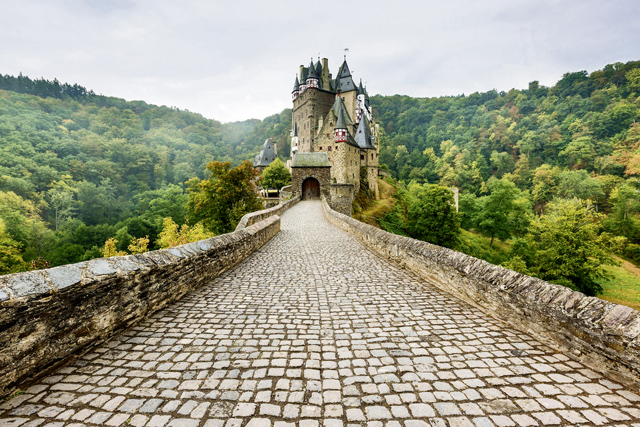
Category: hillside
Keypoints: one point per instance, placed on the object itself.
(78, 168)
(75, 167)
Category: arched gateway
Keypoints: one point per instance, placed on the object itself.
(310, 189)
(311, 175)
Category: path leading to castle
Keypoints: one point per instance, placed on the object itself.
(315, 330)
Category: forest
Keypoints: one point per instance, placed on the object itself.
(549, 172)
(78, 168)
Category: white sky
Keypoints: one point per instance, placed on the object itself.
(236, 59)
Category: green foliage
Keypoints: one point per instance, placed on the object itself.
(220, 201)
(505, 211)
(275, 176)
(432, 216)
(566, 246)
(10, 259)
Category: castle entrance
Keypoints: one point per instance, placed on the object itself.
(310, 189)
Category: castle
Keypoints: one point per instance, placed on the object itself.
(333, 134)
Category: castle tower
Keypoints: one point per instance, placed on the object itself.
(312, 78)
(328, 114)
(296, 90)
(294, 140)
(340, 131)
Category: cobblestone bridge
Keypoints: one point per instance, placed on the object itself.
(314, 330)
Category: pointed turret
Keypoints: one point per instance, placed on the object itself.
(344, 81)
(296, 89)
(360, 88)
(312, 77)
(266, 156)
(363, 134)
(294, 139)
(340, 130)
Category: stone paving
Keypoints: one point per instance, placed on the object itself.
(314, 330)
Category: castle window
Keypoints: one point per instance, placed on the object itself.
(371, 156)
(321, 148)
(361, 156)
(336, 147)
(327, 135)
(329, 148)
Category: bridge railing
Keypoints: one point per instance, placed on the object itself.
(601, 334)
(253, 217)
(48, 315)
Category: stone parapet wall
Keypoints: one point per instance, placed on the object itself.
(342, 198)
(253, 217)
(48, 315)
(603, 335)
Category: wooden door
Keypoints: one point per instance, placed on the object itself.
(310, 189)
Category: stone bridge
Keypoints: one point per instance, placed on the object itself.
(314, 329)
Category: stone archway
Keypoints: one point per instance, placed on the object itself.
(310, 189)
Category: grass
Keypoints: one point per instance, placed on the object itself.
(379, 207)
(624, 287)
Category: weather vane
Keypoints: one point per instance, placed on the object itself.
(346, 50)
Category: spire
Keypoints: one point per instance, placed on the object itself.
(363, 135)
(313, 74)
(338, 106)
(295, 130)
(344, 81)
(296, 85)
(341, 123)
(360, 88)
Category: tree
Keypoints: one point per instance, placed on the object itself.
(505, 211)
(275, 176)
(567, 246)
(174, 235)
(220, 201)
(625, 201)
(10, 259)
(432, 216)
(579, 184)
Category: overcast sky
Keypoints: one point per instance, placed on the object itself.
(237, 59)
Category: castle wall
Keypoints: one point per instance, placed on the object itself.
(48, 315)
(342, 198)
(601, 334)
(307, 111)
(322, 174)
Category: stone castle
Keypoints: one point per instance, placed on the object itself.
(333, 135)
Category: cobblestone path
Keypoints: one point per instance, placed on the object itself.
(314, 330)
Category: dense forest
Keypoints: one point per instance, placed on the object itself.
(78, 168)
(552, 170)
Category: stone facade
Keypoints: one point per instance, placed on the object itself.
(300, 174)
(322, 108)
(48, 315)
(601, 334)
(342, 198)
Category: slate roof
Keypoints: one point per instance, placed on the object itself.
(310, 160)
(337, 106)
(312, 71)
(267, 154)
(296, 85)
(363, 135)
(344, 82)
